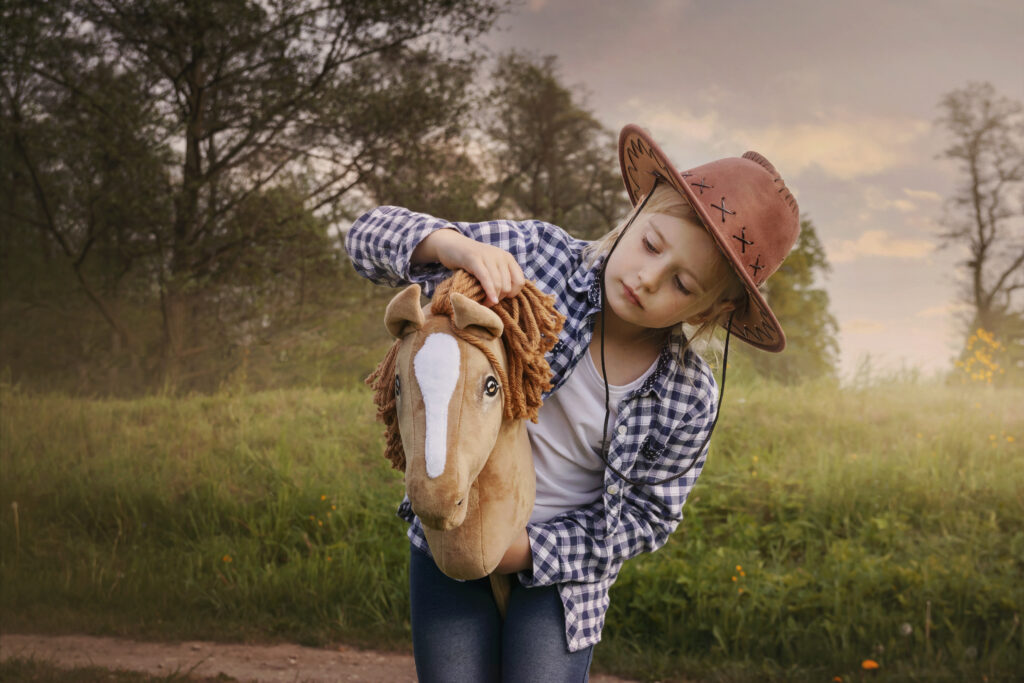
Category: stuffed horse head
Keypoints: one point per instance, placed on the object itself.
(453, 393)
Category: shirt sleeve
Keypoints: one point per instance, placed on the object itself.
(591, 543)
(381, 242)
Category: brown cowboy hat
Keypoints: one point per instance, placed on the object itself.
(746, 207)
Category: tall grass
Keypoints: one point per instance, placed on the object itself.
(221, 517)
(826, 527)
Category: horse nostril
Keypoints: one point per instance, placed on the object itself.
(460, 502)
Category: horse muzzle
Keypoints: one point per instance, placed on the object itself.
(440, 512)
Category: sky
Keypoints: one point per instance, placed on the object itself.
(842, 97)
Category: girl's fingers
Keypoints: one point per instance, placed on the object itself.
(506, 281)
(481, 271)
(490, 288)
(498, 273)
(518, 279)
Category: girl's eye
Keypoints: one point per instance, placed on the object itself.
(491, 386)
(398, 387)
(649, 246)
(682, 287)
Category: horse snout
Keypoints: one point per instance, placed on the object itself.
(444, 522)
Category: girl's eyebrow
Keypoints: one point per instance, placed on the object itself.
(682, 266)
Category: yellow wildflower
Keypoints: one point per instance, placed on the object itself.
(226, 558)
(869, 665)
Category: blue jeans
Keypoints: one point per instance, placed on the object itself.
(458, 635)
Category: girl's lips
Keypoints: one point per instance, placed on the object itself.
(631, 296)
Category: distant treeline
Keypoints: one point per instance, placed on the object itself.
(176, 177)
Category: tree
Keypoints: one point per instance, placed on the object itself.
(553, 159)
(986, 215)
(802, 309)
(218, 104)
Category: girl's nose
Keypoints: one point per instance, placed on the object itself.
(648, 278)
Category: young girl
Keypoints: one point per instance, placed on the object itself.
(623, 434)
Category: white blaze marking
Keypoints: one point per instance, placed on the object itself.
(437, 371)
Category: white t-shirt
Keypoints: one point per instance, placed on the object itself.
(566, 440)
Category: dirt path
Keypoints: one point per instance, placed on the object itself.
(263, 663)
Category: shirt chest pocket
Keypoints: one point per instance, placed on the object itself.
(655, 444)
(666, 452)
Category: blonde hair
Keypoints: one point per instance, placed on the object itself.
(724, 284)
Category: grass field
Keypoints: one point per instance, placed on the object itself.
(827, 528)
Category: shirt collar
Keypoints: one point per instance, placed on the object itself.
(585, 281)
(669, 356)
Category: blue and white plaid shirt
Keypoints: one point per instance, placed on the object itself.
(658, 431)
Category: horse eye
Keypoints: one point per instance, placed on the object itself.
(491, 386)
(398, 387)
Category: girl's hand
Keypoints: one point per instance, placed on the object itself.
(497, 271)
(518, 557)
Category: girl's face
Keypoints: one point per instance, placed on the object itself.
(656, 274)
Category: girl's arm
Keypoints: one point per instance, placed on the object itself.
(385, 246)
(518, 557)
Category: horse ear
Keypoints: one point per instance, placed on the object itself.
(466, 312)
(404, 315)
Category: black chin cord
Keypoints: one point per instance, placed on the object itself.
(604, 374)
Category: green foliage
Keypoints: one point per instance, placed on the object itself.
(842, 515)
(801, 305)
(986, 218)
(176, 164)
(554, 160)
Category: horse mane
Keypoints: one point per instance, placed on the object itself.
(531, 327)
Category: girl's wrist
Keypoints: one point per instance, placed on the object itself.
(518, 557)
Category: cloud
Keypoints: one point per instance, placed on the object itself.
(876, 200)
(942, 311)
(677, 128)
(878, 243)
(862, 326)
(844, 147)
(923, 195)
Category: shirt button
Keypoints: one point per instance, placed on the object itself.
(612, 489)
(622, 430)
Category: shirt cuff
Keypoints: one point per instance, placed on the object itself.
(547, 567)
(401, 261)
